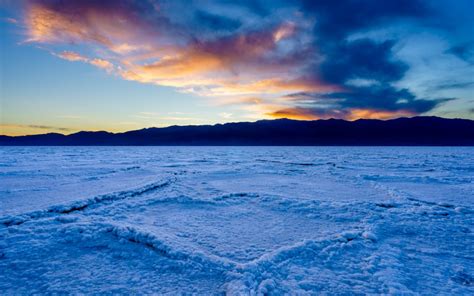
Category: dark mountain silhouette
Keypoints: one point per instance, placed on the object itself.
(422, 131)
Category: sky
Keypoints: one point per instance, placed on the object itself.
(119, 65)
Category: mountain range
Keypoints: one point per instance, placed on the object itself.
(415, 131)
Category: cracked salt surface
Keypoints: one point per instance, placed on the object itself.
(237, 220)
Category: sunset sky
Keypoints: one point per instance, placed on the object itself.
(120, 65)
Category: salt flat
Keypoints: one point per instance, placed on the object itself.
(241, 220)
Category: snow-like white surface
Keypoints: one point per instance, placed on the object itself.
(240, 220)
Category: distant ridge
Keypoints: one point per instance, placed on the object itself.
(416, 131)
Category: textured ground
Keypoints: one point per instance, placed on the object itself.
(241, 220)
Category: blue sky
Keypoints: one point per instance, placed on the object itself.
(122, 65)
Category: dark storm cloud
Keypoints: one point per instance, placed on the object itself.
(380, 98)
(337, 19)
(365, 60)
(362, 58)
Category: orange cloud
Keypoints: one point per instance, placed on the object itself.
(216, 61)
(111, 25)
(293, 113)
(72, 56)
(182, 65)
(377, 114)
(284, 31)
(301, 113)
(47, 25)
(75, 57)
(103, 64)
(274, 86)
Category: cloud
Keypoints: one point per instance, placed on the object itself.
(362, 59)
(301, 113)
(72, 56)
(454, 85)
(34, 126)
(154, 47)
(361, 102)
(47, 127)
(31, 129)
(10, 20)
(364, 68)
(75, 57)
(337, 20)
(233, 65)
(305, 59)
(104, 22)
(225, 115)
(103, 64)
(175, 118)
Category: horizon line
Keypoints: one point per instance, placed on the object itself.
(233, 122)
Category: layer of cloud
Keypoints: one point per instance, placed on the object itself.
(36, 126)
(47, 127)
(297, 59)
